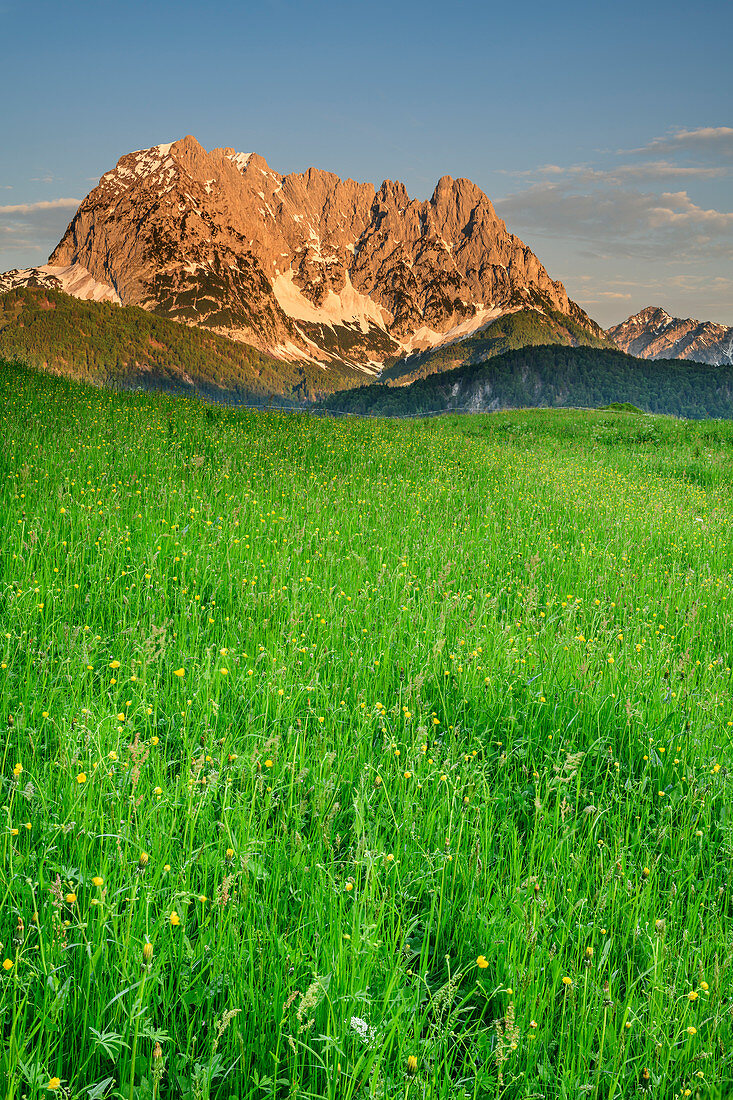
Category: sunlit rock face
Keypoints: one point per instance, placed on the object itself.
(653, 334)
(305, 265)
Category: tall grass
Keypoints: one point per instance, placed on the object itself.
(362, 758)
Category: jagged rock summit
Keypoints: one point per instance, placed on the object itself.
(653, 334)
(305, 266)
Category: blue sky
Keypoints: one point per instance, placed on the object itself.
(602, 132)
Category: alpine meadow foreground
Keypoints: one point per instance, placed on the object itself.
(362, 757)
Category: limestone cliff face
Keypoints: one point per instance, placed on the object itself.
(303, 265)
(653, 334)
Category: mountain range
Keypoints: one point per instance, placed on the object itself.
(341, 277)
(303, 265)
(653, 334)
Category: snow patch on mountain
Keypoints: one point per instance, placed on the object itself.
(240, 160)
(346, 307)
(77, 281)
(426, 337)
(73, 279)
(291, 353)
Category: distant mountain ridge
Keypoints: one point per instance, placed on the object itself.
(653, 334)
(305, 266)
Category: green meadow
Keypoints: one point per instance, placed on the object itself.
(362, 758)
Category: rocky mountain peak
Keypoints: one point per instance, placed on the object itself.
(303, 265)
(652, 315)
(458, 192)
(393, 193)
(654, 334)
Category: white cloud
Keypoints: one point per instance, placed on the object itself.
(29, 231)
(622, 173)
(32, 207)
(616, 220)
(661, 169)
(714, 142)
(606, 294)
(677, 208)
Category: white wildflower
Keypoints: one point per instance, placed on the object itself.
(364, 1031)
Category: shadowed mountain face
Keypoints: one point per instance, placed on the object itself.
(304, 266)
(653, 334)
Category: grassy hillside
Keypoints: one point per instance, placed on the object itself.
(554, 377)
(525, 328)
(129, 348)
(362, 758)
